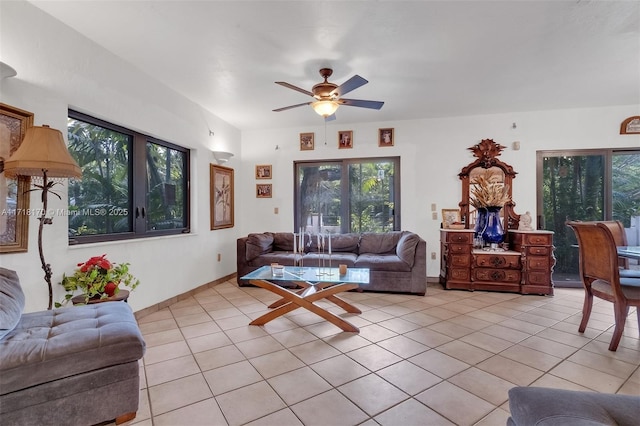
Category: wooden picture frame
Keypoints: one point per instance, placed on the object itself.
(450, 217)
(345, 139)
(221, 197)
(385, 137)
(14, 202)
(630, 126)
(307, 141)
(263, 171)
(264, 190)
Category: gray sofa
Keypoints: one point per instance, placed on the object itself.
(397, 260)
(560, 407)
(69, 366)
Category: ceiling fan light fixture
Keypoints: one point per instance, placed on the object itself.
(325, 108)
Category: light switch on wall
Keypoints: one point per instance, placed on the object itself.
(433, 207)
(434, 215)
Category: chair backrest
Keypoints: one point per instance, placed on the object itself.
(598, 254)
(620, 237)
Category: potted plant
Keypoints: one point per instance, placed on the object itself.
(98, 279)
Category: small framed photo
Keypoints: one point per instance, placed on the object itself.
(345, 139)
(385, 137)
(263, 171)
(451, 218)
(306, 141)
(263, 190)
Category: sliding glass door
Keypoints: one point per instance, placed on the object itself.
(585, 185)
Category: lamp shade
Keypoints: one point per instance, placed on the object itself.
(43, 149)
(325, 108)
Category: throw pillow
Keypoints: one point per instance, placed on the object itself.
(406, 249)
(11, 301)
(258, 244)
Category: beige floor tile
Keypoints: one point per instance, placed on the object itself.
(505, 333)
(482, 384)
(200, 329)
(403, 346)
(244, 333)
(203, 413)
(374, 357)
(208, 341)
(408, 377)
(187, 310)
(439, 312)
(163, 337)
(282, 417)
(314, 351)
(421, 318)
(523, 326)
(603, 363)
(486, 342)
(630, 388)
(445, 398)
(259, 346)
(574, 339)
(531, 357)
(231, 323)
(399, 325)
(428, 337)
(294, 337)
(193, 319)
(508, 369)
(464, 352)
(156, 316)
(469, 321)
(375, 333)
(214, 358)
(339, 370)
(165, 352)
(346, 342)
(587, 377)
(373, 394)
(178, 393)
(157, 326)
(376, 315)
(249, 403)
(275, 363)
(536, 319)
(231, 377)
(440, 364)
(323, 329)
(299, 385)
(172, 369)
(488, 316)
(314, 411)
(450, 329)
(548, 346)
(551, 381)
(411, 412)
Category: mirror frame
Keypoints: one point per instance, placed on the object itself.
(486, 152)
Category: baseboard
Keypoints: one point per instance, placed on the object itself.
(161, 305)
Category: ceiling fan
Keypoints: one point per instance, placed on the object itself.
(328, 95)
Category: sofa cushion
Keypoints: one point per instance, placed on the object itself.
(341, 243)
(406, 248)
(381, 262)
(11, 301)
(379, 243)
(258, 244)
(282, 241)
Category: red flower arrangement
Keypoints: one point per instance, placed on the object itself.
(98, 278)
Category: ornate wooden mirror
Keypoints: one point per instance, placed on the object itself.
(486, 152)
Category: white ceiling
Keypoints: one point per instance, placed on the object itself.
(423, 58)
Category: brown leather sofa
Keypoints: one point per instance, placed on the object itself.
(397, 260)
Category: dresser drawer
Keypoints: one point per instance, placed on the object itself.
(459, 248)
(495, 260)
(539, 278)
(531, 239)
(497, 275)
(539, 263)
(459, 260)
(459, 237)
(459, 274)
(533, 250)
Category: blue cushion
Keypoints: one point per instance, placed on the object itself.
(11, 301)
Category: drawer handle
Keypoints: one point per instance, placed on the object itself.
(498, 275)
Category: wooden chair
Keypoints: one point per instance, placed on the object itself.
(601, 276)
(620, 237)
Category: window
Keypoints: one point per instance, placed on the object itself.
(586, 185)
(351, 195)
(132, 185)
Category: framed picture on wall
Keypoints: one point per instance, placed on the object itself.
(263, 171)
(345, 139)
(14, 225)
(450, 217)
(306, 141)
(263, 190)
(630, 126)
(221, 197)
(385, 137)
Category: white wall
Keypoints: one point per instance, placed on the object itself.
(433, 151)
(58, 68)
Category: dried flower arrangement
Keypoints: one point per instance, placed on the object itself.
(487, 192)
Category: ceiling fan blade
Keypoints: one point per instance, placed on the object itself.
(349, 85)
(361, 103)
(291, 106)
(331, 117)
(296, 88)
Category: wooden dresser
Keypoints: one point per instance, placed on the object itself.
(525, 268)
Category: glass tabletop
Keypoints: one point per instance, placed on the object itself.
(311, 274)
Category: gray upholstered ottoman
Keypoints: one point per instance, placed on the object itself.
(72, 366)
(559, 407)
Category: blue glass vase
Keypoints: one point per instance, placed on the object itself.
(481, 221)
(493, 232)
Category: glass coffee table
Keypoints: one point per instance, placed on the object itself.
(316, 284)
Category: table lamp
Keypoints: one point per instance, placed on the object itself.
(43, 154)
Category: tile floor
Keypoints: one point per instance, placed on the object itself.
(447, 358)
